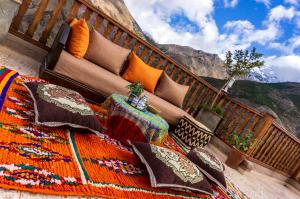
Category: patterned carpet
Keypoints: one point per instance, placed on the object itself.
(64, 161)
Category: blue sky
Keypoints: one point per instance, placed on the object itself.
(215, 26)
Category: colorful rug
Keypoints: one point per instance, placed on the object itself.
(65, 161)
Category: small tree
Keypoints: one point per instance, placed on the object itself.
(239, 64)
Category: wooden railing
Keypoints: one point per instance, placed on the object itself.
(275, 147)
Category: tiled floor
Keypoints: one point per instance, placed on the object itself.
(19, 55)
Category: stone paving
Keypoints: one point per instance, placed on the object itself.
(26, 58)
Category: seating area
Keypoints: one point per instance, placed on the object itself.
(270, 169)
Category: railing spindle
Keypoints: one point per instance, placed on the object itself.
(52, 21)
(37, 18)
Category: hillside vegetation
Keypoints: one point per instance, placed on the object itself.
(283, 99)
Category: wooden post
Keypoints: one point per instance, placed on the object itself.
(296, 175)
(266, 122)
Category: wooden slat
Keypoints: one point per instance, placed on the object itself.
(136, 47)
(181, 74)
(245, 123)
(235, 122)
(174, 72)
(187, 80)
(18, 18)
(73, 11)
(55, 14)
(145, 53)
(281, 152)
(203, 98)
(198, 98)
(294, 165)
(275, 148)
(98, 22)
(167, 67)
(87, 14)
(283, 163)
(255, 121)
(293, 158)
(107, 31)
(127, 41)
(260, 144)
(37, 18)
(192, 95)
(117, 36)
(152, 59)
(230, 118)
(268, 145)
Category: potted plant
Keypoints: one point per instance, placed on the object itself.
(240, 144)
(210, 117)
(135, 91)
(238, 64)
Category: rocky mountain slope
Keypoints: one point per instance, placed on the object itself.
(280, 99)
(199, 62)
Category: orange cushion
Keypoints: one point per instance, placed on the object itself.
(139, 71)
(78, 40)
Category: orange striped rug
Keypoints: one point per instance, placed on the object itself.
(65, 161)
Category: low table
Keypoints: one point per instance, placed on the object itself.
(190, 133)
(128, 123)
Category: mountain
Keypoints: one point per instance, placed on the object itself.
(264, 74)
(199, 62)
(280, 99)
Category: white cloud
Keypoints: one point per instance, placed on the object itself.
(293, 2)
(288, 47)
(247, 33)
(153, 17)
(280, 12)
(266, 2)
(286, 68)
(230, 3)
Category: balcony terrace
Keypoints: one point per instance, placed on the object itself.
(272, 169)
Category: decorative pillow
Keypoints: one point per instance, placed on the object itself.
(209, 164)
(139, 71)
(78, 40)
(105, 53)
(170, 169)
(57, 106)
(171, 91)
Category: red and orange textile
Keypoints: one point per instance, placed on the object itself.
(65, 161)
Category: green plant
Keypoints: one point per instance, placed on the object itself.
(136, 88)
(216, 109)
(242, 142)
(239, 64)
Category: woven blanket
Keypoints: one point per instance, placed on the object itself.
(65, 161)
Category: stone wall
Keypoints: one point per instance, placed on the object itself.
(7, 10)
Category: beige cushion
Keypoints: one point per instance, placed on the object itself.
(169, 112)
(171, 91)
(106, 53)
(107, 83)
